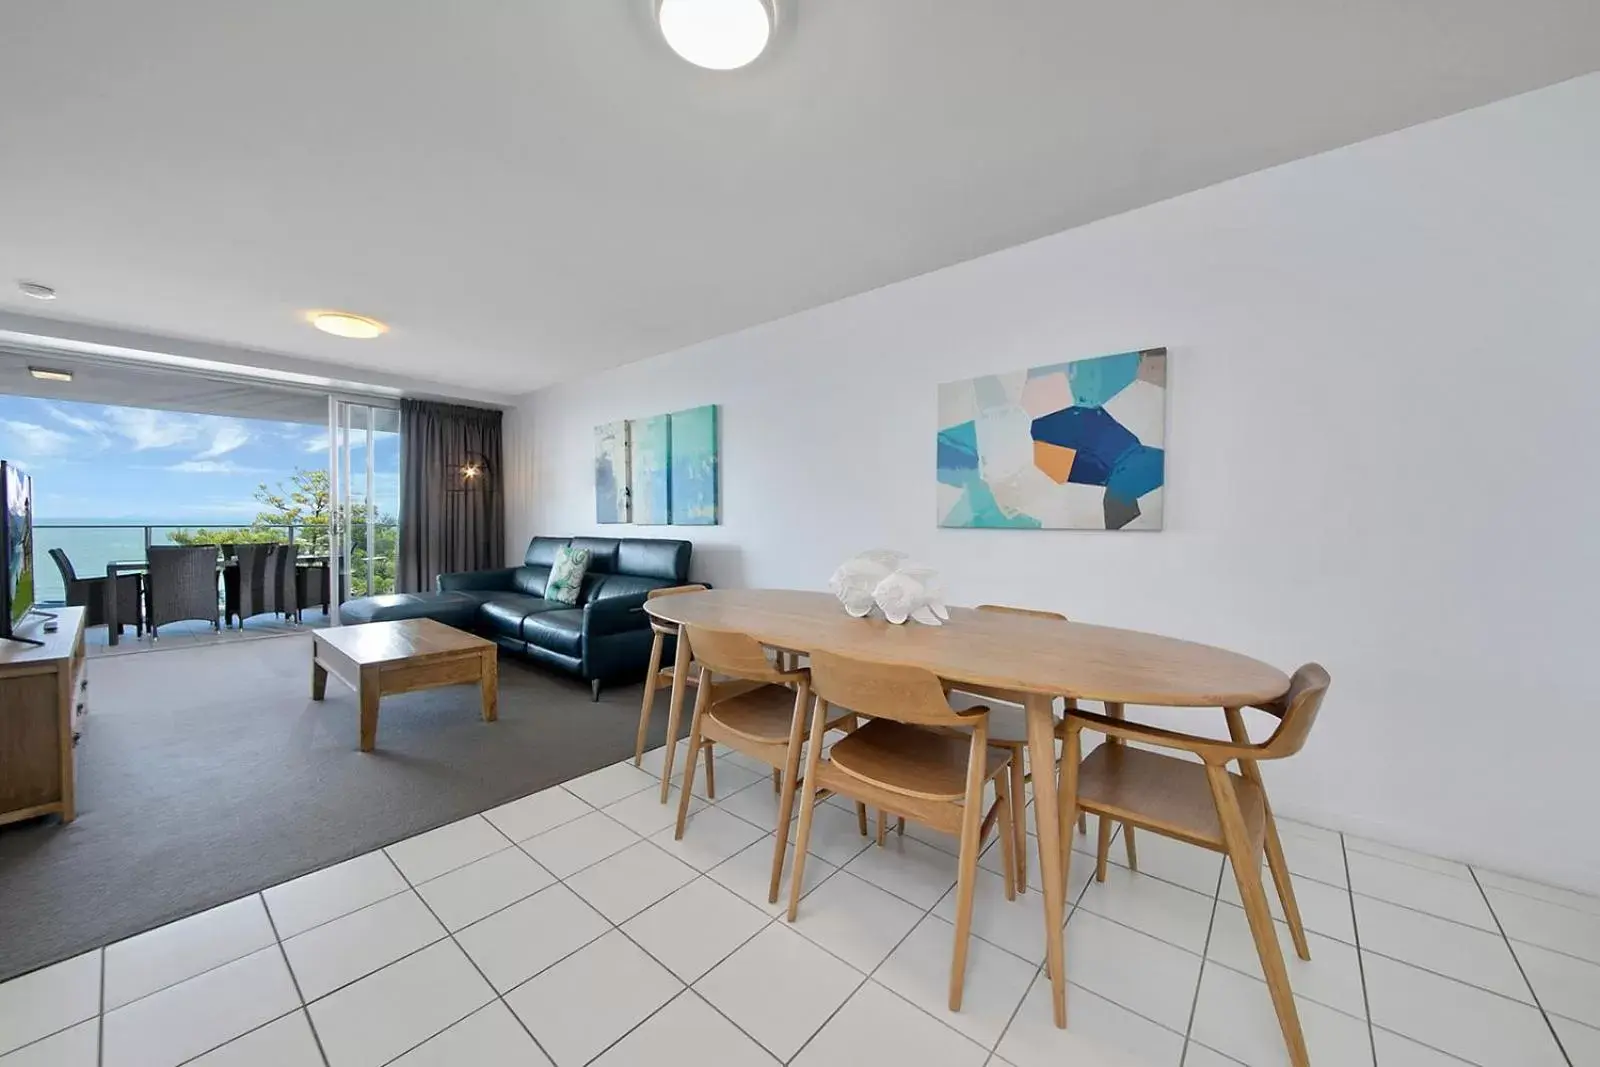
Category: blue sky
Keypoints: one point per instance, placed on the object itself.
(95, 461)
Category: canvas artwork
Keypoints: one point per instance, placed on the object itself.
(692, 448)
(611, 472)
(649, 469)
(1066, 446)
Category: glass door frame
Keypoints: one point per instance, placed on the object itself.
(341, 542)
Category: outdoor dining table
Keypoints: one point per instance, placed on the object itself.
(139, 566)
(1038, 659)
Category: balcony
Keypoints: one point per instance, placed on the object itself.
(90, 547)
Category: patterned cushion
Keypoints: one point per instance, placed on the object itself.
(566, 576)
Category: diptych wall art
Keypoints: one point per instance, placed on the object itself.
(693, 490)
(649, 470)
(658, 470)
(1066, 446)
(611, 472)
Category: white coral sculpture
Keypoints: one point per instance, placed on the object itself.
(859, 575)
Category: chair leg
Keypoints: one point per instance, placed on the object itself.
(692, 757)
(1019, 819)
(861, 818)
(1274, 845)
(1083, 824)
(1127, 843)
(1281, 878)
(651, 680)
(883, 826)
(1067, 799)
(1247, 872)
(680, 682)
(900, 826)
(711, 770)
(1102, 850)
(808, 804)
(971, 824)
(777, 781)
(1009, 862)
(790, 774)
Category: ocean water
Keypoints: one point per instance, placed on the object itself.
(92, 543)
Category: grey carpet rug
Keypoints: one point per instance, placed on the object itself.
(208, 773)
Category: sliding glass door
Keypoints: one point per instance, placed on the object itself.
(364, 495)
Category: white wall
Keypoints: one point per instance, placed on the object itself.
(1385, 364)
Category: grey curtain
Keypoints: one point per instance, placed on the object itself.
(448, 522)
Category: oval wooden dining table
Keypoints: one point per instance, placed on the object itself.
(1037, 658)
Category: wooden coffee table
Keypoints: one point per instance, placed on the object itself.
(378, 659)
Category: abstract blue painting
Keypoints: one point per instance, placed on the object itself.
(649, 469)
(1067, 446)
(692, 492)
(611, 472)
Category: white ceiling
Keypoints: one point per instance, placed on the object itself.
(531, 190)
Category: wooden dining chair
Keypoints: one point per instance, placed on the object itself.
(657, 676)
(1008, 731)
(908, 761)
(766, 722)
(1208, 805)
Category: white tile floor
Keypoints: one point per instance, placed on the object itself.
(569, 928)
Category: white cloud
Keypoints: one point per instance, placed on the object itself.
(146, 429)
(229, 436)
(206, 466)
(77, 422)
(33, 440)
(318, 443)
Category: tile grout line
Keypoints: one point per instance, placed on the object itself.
(298, 992)
(1070, 908)
(1361, 963)
(452, 937)
(617, 928)
(1562, 1048)
(100, 1041)
(1205, 954)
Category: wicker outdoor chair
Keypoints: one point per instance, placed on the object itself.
(90, 594)
(263, 581)
(182, 585)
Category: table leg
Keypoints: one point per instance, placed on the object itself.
(319, 677)
(113, 630)
(680, 679)
(1042, 756)
(489, 686)
(369, 708)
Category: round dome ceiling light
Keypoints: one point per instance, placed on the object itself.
(36, 290)
(344, 324)
(717, 34)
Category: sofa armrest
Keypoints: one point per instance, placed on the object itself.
(615, 615)
(482, 580)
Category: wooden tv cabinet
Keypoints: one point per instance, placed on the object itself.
(41, 693)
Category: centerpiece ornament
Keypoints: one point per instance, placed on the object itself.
(884, 578)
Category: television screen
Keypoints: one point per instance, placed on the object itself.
(16, 540)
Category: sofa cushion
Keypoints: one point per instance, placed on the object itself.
(654, 558)
(602, 553)
(542, 550)
(531, 579)
(609, 586)
(560, 630)
(503, 613)
(453, 609)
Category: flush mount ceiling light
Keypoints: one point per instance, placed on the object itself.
(344, 324)
(37, 291)
(45, 374)
(717, 34)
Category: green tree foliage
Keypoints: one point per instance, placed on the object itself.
(304, 505)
